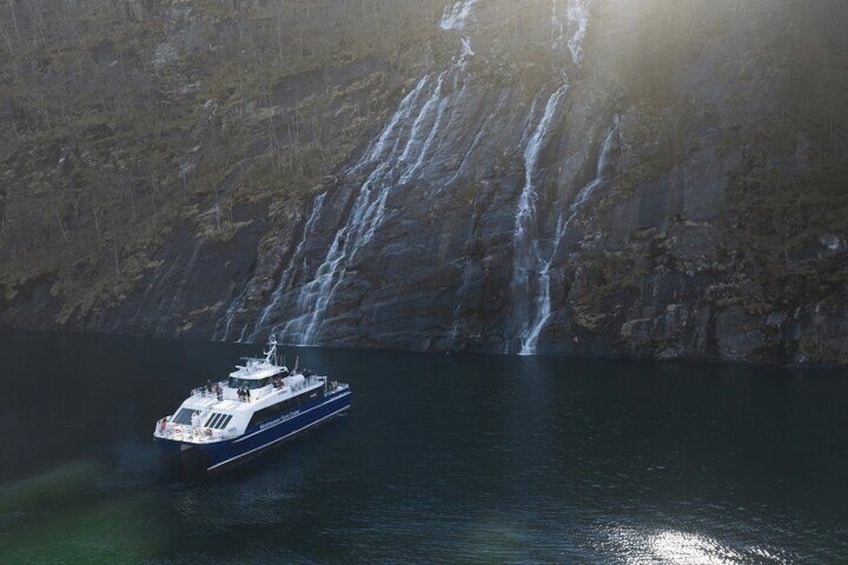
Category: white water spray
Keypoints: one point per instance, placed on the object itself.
(529, 259)
(297, 259)
(394, 159)
(455, 16)
(578, 19)
(543, 309)
(235, 307)
(530, 336)
(526, 256)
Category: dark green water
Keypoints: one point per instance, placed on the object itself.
(463, 459)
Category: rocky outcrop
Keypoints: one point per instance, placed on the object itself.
(566, 177)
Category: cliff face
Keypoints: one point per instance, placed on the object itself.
(149, 145)
(594, 178)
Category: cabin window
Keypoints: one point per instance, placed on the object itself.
(272, 412)
(218, 421)
(183, 417)
(266, 414)
(252, 384)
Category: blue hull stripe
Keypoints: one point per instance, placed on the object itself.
(286, 436)
(263, 430)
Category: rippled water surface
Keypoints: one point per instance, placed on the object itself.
(467, 459)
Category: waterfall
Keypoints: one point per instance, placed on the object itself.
(543, 297)
(533, 315)
(543, 310)
(298, 259)
(312, 298)
(378, 152)
(398, 164)
(467, 51)
(569, 29)
(526, 256)
(394, 159)
(378, 149)
(578, 19)
(413, 145)
(235, 307)
(435, 99)
(455, 16)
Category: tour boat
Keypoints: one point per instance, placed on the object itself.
(261, 405)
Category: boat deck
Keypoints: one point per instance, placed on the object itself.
(223, 410)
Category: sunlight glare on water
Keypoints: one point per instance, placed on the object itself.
(641, 547)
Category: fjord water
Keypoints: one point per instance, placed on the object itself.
(470, 459)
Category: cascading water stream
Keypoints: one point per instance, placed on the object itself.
(568, 27)
(526, 254)
(543, 309)
(297, 259)
(543, 297)
(403, 154)
(455, 16)
(578, 19)
(235, 307)
(386, 143)
(435, 99)
(532, 315)
(395, 159)
(378, 149)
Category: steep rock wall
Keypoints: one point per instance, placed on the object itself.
(638, 237)
(601, 178)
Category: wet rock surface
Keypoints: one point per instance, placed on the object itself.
(670, 196)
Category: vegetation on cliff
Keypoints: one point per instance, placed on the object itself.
(123, 119)
(141, 136)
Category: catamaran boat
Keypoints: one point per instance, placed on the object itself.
(262, 404)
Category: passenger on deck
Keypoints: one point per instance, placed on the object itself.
(219, 392)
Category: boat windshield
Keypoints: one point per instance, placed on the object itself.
(248, 383)
(183, 416)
